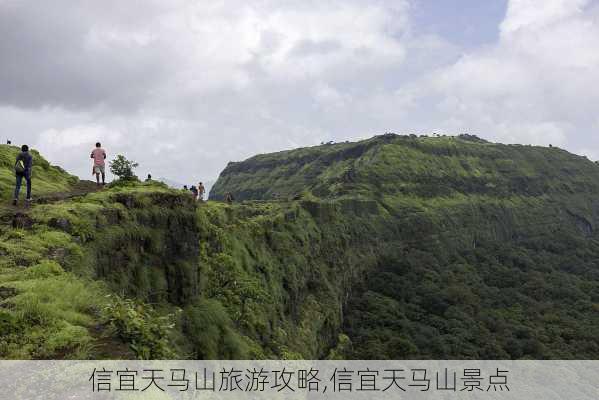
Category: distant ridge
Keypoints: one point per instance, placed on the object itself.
(423, 166)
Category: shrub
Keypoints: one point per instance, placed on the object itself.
(212, 332)
(146, 331)
(123, 168)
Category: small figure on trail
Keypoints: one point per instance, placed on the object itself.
(201, 191)
(23, 166)
(8, 142)
(185, 187)
(229, 197)
(149, 178)
(99, 156)
(194, 192)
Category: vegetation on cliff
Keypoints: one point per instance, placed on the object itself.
(393, 247)
(410, 167)
(492, 251)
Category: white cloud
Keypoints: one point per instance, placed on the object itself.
(538, 84)
(184, 87)
(73, 145)
(187, 86)
(530, 15)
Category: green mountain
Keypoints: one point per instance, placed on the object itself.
(392, 247)
(408, 166)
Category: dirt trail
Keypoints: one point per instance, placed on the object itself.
(17, 216)
(80, 189)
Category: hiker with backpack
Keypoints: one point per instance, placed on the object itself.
(99, 168)
(23, 166)
(194, 192)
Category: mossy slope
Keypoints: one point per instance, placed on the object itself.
(490, 250)
(424, 167)
(242, 281)
(394, 247)
(66, 274)
(48, 179)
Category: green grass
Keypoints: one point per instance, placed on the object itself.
(396, 247)
(451, 208)
(50, 315)
(47, 179)
(401, 165)
(55, 306)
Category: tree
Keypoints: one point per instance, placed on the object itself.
(123, 168)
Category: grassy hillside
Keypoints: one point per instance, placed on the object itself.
(48, 179)
(72, 285)
(142, 271)
(409, 166)
(493, 248)
(393, 247)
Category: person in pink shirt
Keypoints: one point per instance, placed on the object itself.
(99, 156)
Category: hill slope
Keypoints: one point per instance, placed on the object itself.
(490, 250)
(141, 271)
(423, 167)
(393, 247)
(48, 179)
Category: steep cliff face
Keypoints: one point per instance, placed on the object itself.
(282, 273)
(290, 173)
(68, 272)
(143, 271)
(488, 250)
(394, 247)
(151, 250)
(425, 167)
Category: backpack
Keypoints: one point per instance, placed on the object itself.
(20, 167)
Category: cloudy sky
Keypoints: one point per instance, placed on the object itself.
(184, 86)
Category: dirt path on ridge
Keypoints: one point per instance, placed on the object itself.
(9, 214)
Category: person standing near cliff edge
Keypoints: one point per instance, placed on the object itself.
(194, 192)
(23, 165)
(99, 156)
(201, 191)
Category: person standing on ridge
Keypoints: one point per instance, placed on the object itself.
(201, 191)
(23, 165)
(194, 192)
(99, 156)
